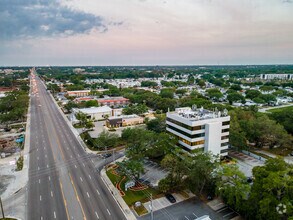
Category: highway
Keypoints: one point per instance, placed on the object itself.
(63, 181)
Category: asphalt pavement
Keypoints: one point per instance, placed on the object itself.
(63, 181)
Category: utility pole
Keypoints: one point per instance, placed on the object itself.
(152, 213)
(2, 208)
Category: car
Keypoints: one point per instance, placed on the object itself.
(106, 155)
(170, 198)
(291, 154)
(249, 179)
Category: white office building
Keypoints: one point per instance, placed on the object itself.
(277, 76)
(200, 129)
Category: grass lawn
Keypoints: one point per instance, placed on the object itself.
(132, 196)
(280, 109)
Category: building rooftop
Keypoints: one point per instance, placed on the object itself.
(196, 114)
(94, 110)
(124, 116)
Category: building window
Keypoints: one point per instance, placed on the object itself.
(186, 134)
(225, 130)
(191, 143)
(224, 144)
(225, 137)
(225, 123)
(195, 128)
(224, 151)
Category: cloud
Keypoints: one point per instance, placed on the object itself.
(44, 18)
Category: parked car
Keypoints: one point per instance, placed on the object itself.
(170, 198)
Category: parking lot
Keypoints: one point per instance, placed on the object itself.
(218, 206)
(153, 173)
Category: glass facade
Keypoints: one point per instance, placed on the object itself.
(186, 134)
(195, 128)
(191, 143)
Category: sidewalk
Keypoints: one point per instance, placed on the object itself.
(116, 195)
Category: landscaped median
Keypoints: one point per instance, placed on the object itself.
(138, 193)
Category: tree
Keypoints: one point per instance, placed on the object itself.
(236, 87)
(91, 103)
(268, 98)
(175, 180)
(235, 97)
(148, 84)
(273, 184)
(285, 118)
(202, 173)
(214, 93)
(107, 139)
(135, 109)
(167, 93)
(157, 125)
(232, 186)
(251, 94)
(131, 168)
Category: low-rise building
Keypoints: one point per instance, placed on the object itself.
(277, 76)
(123, 121)
(200, 130)
(94, 113)
(113, 101)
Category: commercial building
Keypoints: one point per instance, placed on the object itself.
(200, 129)
(113, 102)
(277, 76)
(123, 121)
(94, 113)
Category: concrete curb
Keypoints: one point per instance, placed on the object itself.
(112, 189)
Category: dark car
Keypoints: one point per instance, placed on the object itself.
(170, 198)
(291, 153)
(106, 155)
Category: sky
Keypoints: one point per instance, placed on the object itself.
(145, 32)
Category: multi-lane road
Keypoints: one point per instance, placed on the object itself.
(63, 182)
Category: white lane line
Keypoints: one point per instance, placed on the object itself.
(71, 156)
(81, 179)
(67, 148)
(51, 194)
(108, 212)
(77, 154)
(83, 164)
(39, 181)
(186, 217)
(38, 168)
(97, 215)
(88, 195)
(75, 166)
(40, 198)
(98, 192)
(92, 161)
(49, 178)
(54, 214)
(37, 149)
(46, 155)
(38, 158)
(47, 166)
(195, 215)
(90, 177)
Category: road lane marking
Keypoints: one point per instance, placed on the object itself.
(92, 161)
(51, 194)
(40, 198)
(71, 156)
(38, 168)
(97, 215)
(77, 197)
(75, 166)
(47, 166)
(195, 215)
(88, 195)
(41, 217)
(38, 158)
(98, 192)
(83, 164)
(108, 212)
(39, 181)
(49, 178)
(90, 177)
(54, 214)
(46, 155)
(67, 148)
(81, 179)
(77, 154)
